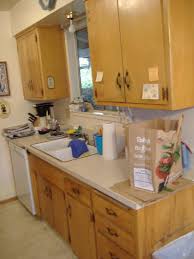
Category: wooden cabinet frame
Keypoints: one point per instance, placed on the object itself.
(167, 23)
(146, 229)
(42, 57)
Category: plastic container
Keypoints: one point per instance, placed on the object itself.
(181, 248)
(99, 141)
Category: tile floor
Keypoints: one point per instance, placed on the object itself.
(22, 236)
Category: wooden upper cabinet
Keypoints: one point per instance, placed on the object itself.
(147, 42)
(105, 49)
(143, 48)
(35, 84)
(43, 63)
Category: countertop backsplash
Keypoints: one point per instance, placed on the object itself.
(91, 120)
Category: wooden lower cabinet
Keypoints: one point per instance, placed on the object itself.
(53, 206)
(82, 231)
(45, 199)
(97, 226)
(60, 212)
(109, 250)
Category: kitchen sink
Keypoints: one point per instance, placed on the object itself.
(59, 149)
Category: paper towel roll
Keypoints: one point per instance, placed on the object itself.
(109, 141)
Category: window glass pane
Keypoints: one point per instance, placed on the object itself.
(85, 71)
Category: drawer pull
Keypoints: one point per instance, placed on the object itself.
(111, 232)
(112, 256)
(69, 211)
(50, 193)
(75, 191)
(118, 80)
(111, 212)
(127, 80)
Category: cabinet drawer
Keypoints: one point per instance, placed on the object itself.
(108, 250)
(111, 211)
(114, 233)
(78, 192)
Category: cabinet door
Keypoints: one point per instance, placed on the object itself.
(143, 47)
(105, 49)
(34, 62)
(45, 198)
(23, 53)
(81, 228)
(109, 250)
(59, 212)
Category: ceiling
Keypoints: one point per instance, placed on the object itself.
(5, 5)
(59, 17)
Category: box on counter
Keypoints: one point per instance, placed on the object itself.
(154, 153)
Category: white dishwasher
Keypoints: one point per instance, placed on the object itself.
(22, 177)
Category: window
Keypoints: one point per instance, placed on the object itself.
(85, 71)
(80, 71)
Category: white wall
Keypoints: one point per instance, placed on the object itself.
(27, 12)
(19, 107)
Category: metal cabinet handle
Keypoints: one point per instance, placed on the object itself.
(111, 212)
(111, 232)
(118, 80)
(112, 256)
(46, 190)
(29, 84)
(69, 211)
(127, 80)
(96, 92)
(50, 193)
(163, 93)
(75, 190)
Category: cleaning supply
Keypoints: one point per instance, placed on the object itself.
(99, 145)
(186, 154)
(78, 147)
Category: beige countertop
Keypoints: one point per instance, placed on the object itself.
(93, 170)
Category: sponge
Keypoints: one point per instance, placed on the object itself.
(78, 147)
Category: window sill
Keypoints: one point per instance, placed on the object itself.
(99, 115)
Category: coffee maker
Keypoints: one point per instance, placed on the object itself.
(44, 112)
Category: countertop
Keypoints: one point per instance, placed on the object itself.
(93, 170)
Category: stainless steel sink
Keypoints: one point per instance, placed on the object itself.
(59, 149)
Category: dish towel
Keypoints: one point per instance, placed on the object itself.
(78, 147)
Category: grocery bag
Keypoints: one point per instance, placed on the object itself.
(154, 153)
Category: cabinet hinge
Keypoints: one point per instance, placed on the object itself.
(36, 38)
(42, 92)
(92, 217)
